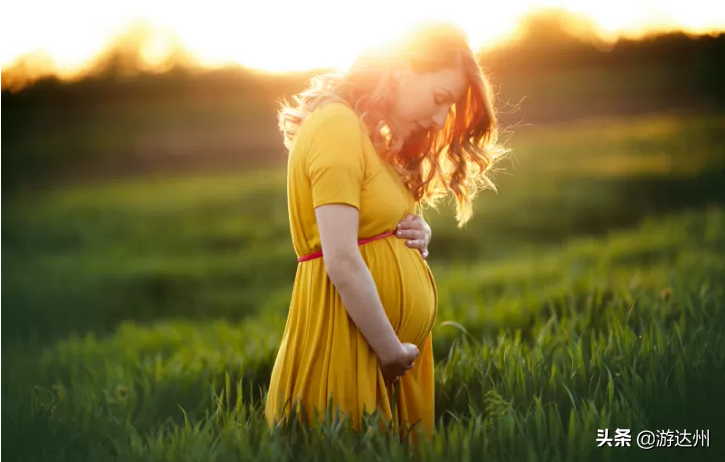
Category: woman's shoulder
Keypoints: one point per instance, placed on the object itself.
(334, 117)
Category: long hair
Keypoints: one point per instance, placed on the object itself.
(434, 163)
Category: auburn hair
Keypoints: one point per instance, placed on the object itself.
(434, 163)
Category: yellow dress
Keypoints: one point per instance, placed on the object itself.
(322, 354)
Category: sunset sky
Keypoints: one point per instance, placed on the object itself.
(279, 36)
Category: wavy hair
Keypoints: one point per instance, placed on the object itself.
(434, 163)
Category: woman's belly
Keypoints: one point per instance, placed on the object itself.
(405, 285)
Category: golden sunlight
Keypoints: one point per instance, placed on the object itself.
(300, 35)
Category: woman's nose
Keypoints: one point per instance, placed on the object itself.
(439, 119)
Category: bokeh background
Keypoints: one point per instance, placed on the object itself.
(148, 263)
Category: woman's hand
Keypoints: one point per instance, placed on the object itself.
(396, 363)
(416, 231)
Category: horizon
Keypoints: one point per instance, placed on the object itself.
(163, 36)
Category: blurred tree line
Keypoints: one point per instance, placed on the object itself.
(557, 65)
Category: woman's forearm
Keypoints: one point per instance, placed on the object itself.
(352, 279)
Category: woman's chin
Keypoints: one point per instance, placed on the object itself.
(406, 133)
(414, 135)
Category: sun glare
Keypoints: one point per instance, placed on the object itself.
(299, 35)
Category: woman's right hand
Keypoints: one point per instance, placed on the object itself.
(399, 362)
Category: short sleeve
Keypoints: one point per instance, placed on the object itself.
(335, 159)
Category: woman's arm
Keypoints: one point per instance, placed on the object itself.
(338, 228)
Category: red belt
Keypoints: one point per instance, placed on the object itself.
(318, 254)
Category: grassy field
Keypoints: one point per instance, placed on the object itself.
(227, 117)
(142, 316)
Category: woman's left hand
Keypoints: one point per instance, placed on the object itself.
(416, 232)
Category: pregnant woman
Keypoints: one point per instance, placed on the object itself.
(405, 126)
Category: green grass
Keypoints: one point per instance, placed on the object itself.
(556, 347)
(142, 317)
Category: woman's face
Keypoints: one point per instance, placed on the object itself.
(424, 100)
